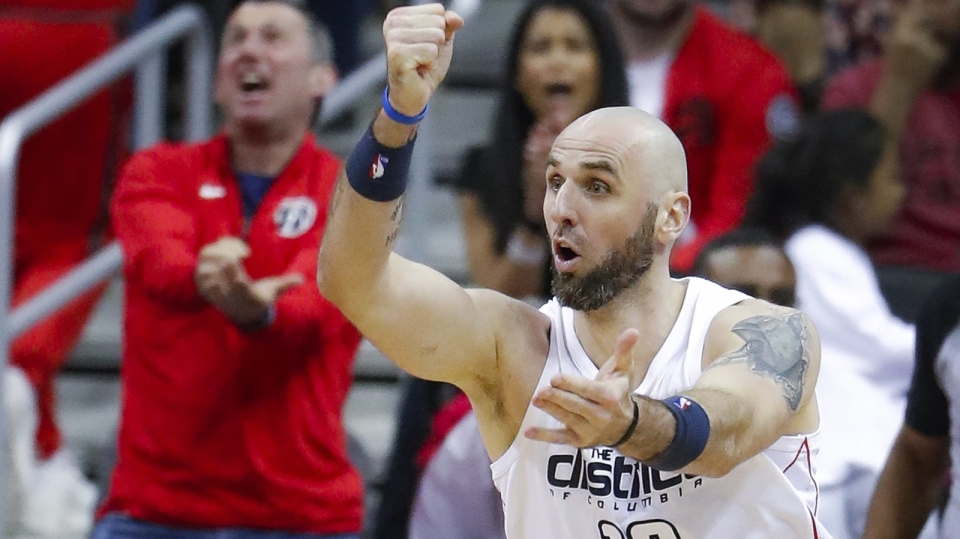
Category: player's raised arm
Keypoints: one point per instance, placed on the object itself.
(420, 319)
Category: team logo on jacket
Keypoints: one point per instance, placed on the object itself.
(294, 216)
(696, 123)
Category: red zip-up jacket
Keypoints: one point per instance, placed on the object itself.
(725, 97)
(220, 428)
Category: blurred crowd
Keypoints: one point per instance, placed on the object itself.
(822, 140)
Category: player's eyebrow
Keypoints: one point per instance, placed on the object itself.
(552, 161)
(601, 165)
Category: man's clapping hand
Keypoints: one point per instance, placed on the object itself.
(222, 280)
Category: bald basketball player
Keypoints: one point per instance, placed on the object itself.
(632, 405)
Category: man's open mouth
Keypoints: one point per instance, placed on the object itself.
(563, 252)
(253, 82)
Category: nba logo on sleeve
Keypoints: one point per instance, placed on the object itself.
(294, 216)
(378, 167)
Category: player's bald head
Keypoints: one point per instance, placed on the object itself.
(652, 152)
(616, 194)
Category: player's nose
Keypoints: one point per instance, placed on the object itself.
(561, 205)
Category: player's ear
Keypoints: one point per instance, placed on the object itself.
(672, 217)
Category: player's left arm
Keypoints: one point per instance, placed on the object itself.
(761, 363)
(760, 366)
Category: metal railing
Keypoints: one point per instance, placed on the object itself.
(143, 51)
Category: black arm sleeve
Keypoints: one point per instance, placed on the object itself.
(927, 409)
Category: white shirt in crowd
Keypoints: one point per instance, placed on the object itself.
(648, 83)
(867, 352)
(456, 497)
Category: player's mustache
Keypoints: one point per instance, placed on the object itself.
(567, 233)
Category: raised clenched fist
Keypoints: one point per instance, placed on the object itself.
(419, 43)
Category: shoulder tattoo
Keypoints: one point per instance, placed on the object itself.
(774, 346)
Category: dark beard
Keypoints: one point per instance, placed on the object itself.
(619, 270)
(662, 21)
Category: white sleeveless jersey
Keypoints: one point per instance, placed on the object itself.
(563, 492)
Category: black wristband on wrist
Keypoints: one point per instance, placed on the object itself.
(633, 425)
(377, 172)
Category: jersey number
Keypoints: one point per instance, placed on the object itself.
(642, 529)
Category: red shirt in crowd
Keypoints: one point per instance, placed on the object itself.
(63, 171)
(926, 232)
(725, 95)
(222, 428)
